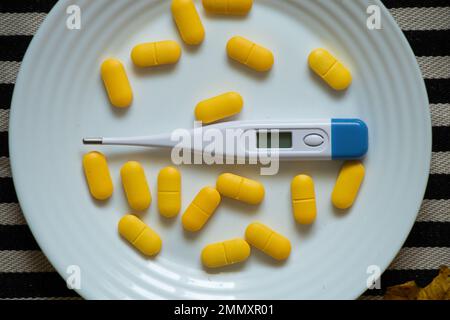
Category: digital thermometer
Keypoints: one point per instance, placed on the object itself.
(290, 140)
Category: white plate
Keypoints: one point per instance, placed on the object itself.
(59, 99)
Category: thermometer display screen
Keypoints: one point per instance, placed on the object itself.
(264, 140)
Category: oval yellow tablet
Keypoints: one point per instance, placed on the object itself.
(268, 241)
(188, 21)
(97, 175)
(225, 253)
(303, 199)
(141, 236)
(136, 186)
(218, 108)
(240, 188)
(169, 192)
(228, 7)
(347, 185)
(332, 71)
(201, 209)
(116, 83)
(250, 54)
(154, 54)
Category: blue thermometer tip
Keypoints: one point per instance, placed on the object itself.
(349, 138)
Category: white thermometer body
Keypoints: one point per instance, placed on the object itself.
(289, 140)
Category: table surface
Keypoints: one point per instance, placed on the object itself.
(25, 272)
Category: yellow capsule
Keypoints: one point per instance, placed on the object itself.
(250, 54)
(116, 83)
(225, 253)
(303, 199)
(97, 175)
(348, 184)
(169, 192)
(188, 21)
(136, 186)
(228, 7)
(218, 108)
(201, 209)
(156, 53)
(326, 66)
(141, 236)
(268, 241)
(240, 188)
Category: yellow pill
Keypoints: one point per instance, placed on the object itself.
(156, 53)
(201, 209)
(268, 241)
(228, 7)
(141, 236)
(116, 83)
(218, 108)
(330, 69)
(97, 175)
(348, 184)
(250, 54)
(188, 21)
(240, 188)
(225, 253)
(169, 192)
(303, 199)
(135, 186)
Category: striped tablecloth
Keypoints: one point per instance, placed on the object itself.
(25, 272)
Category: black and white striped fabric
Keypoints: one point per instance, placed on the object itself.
(25, 272)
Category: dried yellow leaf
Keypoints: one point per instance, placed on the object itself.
(406, 291)
(438, 289)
